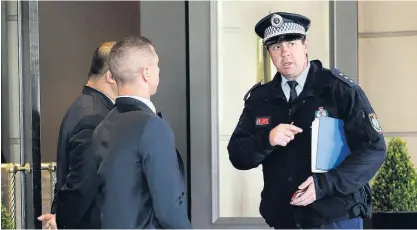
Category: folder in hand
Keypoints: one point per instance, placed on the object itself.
(328, 144)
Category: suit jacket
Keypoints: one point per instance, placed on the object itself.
(141, 184)
(180, 161)
(76, 187)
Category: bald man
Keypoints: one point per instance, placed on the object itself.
(73, 206)
(141, 183)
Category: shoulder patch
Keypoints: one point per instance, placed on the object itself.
(338, 74)
(251, 89)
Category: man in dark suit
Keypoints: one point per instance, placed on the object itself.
(141, 184)
(76, 186)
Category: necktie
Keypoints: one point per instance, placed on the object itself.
(293, 93)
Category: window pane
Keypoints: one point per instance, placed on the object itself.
(386, 62)
(374, 16)
(379, 75)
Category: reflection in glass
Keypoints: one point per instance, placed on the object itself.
(263, 61)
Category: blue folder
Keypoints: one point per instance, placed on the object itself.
(328, 144)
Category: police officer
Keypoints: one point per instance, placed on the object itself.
(275, 130)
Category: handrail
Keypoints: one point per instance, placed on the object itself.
(12, 169)
(51, 167)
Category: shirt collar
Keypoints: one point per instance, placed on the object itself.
(301, 80)
(144, 100)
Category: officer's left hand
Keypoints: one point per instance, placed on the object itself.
(308, 196)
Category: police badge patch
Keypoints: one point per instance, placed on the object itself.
(321, 112)
(262, 121)
(375, 123)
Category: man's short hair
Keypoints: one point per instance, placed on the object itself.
(100, 64)
(119, 64)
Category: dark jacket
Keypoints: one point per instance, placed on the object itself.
(141, 184)
(342, 193)
(75, 189)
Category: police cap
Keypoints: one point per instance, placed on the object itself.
(281, 26)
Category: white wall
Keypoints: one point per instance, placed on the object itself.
(237, 73)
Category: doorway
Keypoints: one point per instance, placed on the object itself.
(46, 52)
(20, 123)
(70, 31)
(55, 59)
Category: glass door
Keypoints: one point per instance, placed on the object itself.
(20, 117)
(226, 60)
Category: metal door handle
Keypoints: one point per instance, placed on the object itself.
(12, 169)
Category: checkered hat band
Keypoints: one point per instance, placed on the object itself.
(286, 28)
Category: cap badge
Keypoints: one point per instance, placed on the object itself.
(276, 20)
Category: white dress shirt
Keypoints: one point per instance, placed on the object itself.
(301, 80)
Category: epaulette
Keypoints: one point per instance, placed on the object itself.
(251, 89)
(337, 73)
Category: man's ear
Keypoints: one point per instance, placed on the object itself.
(110, 78)
(145, 74)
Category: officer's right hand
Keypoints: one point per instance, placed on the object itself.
(283, 134)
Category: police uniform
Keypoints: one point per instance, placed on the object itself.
(343, 194)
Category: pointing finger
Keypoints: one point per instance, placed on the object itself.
(295, 129)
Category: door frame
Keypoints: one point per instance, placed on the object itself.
(29, 75)
(203, 102)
